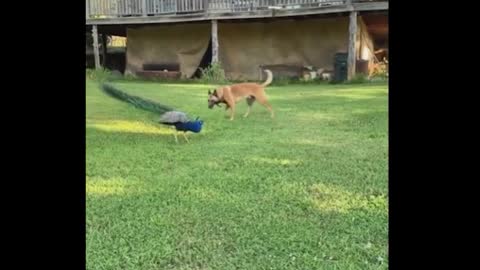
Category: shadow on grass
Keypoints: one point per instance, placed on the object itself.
(320, 224)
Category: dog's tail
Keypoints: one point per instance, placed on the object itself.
(269, 78)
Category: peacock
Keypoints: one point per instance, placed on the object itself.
(178, 120)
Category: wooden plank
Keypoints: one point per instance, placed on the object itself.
(352, 40)
(214, 41)
(371, 6)
(95, 46)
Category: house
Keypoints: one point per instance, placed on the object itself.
(245, 36)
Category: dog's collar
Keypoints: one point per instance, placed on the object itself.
(218, 102)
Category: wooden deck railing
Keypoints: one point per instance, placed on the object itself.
(97, 9)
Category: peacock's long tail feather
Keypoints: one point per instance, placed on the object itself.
(138, 102)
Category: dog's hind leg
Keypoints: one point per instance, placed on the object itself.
(250, 101)
(269, 107)
(263, 100)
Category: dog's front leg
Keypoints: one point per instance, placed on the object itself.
(227, 108)
(250, 101)
(232, 112)
(230, 105)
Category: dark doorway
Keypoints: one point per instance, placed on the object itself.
(115, 61)
(205, 62)
(377, 26)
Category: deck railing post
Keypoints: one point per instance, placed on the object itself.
(144, 8)
(87, 9)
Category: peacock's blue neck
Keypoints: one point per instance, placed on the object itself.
(192, 126)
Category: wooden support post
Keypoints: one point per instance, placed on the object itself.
(104, 50)
(352, 40)
(214, 41)
(144, 8)
(96, 54)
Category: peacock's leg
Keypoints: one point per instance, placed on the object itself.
(185, 136)
(175, 134)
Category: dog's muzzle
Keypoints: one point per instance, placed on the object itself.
(213, 103)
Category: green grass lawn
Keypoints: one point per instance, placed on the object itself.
(306, 190)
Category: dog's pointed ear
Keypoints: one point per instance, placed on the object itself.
(209, 92)
(219, 92)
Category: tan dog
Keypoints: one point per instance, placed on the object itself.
(231, 94)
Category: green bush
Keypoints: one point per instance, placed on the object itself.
(359, 78)
(99, 75)
(214, 73)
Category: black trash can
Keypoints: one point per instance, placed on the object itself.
(340, 67)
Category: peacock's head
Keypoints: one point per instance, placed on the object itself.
(195, 126)
(213, 99)
(199, 121)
